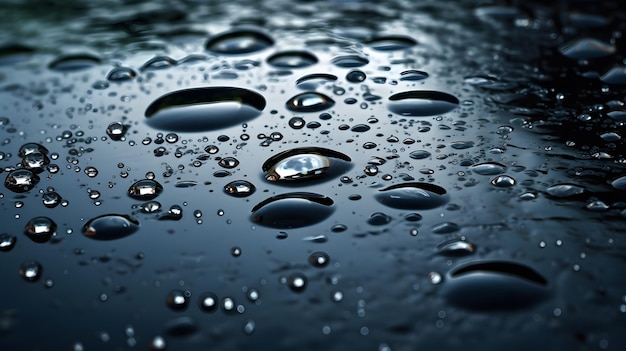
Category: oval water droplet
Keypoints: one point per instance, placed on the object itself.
(419, 154)
(292, 210)
(615, 75)
(455, 248)
(31, 271)
(21, 180)
(619, 183)
(239, 188)
(488, 168)
(413, 75)
(495, 285)
(446, 228)
(305, 163)
(356, 76)
(121, 74)
(110, 227)
(7, 242)
(145, 189)
(204, 109)
(422, 103)
(310, 102)
(565, 190)
(391, 42)
(51, 199)
(314, 81)
(239, 41)
(158, 62)
(292, 59)
(74, 62)
(379, 218)
(587, 48)
(503, 181)
(413, 196)
(350, 61)
(40, 229)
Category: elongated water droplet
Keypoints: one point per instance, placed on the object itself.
(110, 227)
(292, 59)
(306, 163)
(422, 103)
(488, 168)
(239, 188)
(565, 190)
(292, 210)
(350, 61)
(456, 248)
(619, 183)
(310, 102)
(587, 48)
(391, 42)
(74, 62)
(314, 81)
(413, 75)
(413, 196)
(121, 74)
(239, 41)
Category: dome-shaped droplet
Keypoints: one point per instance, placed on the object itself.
(292, 59)
(488, 168)
(446, 228)
(419, 154)
(310, 102)
(495, 285)
(116, 130)
(619, 183)
(239, 41)
(565, 190)
(413, 196)
(177, 300)
(314, 81)
(51, 199)
(203, 109)
(145, 189)
(75, 62)
(158, 62)
(110, 227)
(587, 48)
(40, 229)
(319, 259)
(35, 162)
(379, 218)
(209, 302)
(413, 75)
(350, 61)
(391, 42)
(292, 210)
(121, 74)
(21, 180)
(305, 163)
(422, 103)
(31, 148)
(228, 162)
(456, 248)
(503, 181)
(7, 242)
(239, 188)
(31, 271)
(297, 282)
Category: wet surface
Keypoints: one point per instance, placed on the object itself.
(332, 175)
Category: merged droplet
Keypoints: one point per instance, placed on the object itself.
(495, 285)
(239, 188)
(413, 196)
(422, 103)
(158, 62)
(21, 180)
(292, 59)
(310, 102)
(305, 163)
(587, 48)
(40, 229)
(391, 42)
(75, 62)
(203, 109)
(292, 210)
(110, 227)
(239, 41)
(145, 189)
(488, 168)
(419, 154)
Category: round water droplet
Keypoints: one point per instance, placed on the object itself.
(40, 229)
(121, 74)
(319, 259)
(21, 180)
(203, 109)
(239, 41)
(297, 282)
(297, 122)
(7, 242)
(503, 181)
(305, 163)
(495, 285)
(145, 189)
(619, 183)
(379, 218)
(110, 227)
(76, 62)
(177, 300)
(350, 61)
(292, 210)
(587, 48)
(31, 271)
(228, 162)
(209, 302)
(292, 59)
(565, 190)
(310, 102)
(413, 75)
(51, 199)
(356, 76)
(314, 81)
(116, 130)
(488, 168)
(239, 188)
(413, 196)
(422, 103)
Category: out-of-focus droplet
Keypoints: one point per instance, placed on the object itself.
(297, 282)
(239, 41)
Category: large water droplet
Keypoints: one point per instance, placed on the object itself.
(40, 229)
(145, 189)
(495, 285)
(413, 196)
(21, 180)
(310, 102)
(239, 188)
(565, 190)
(350, 61)
(615, 75)
(110, 227)
(32, 148)
(239, 41)
(587, 48)
(31, 271)
(292, 59)
(203, 109)
(292, 210)
(305, 163)
(75, 62)
(391, 42)
(488, 168)
(422, 103)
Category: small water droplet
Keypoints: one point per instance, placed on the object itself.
(488, 168)
(121, 74)
(177, 300)
(209, 302)
(355, 76)
(40, 229)
(228, 162)
(379, 218)
(116, 130)
(7, 242)
(297, 282)
(446, 228)
(413, 75)
(74, 62)
(145, 189)
(565, 190)
(310, 102)
(31, 271)
(292, 59)
(503, 181)
(158, 62)
(587, 48)
(314, 81)
(456, 248)
(392, 42)
(319, 259)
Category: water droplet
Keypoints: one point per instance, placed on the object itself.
(239, 41)
(292, 210)
(158, 62)
(586, 48)
(35, 162)
(150, 207)
(350, 61)
(446, 228)
(228, 162)
(503, 181)
(239, 188)
(422, 103)
(495, 285)
(177, 300)
(413, 196)
(121, 74)
(75, 62)
(158, 344)
(110, 227)
(565, 190)
(305, 163)
(379, 218)
(21, 180)
(32, 148)
(413, 75)
(91, 171)
(235, 251)
(116, 130)
(619, 183)
(310, 102)
(435, 278)
(292, 59)
(40, 229)
(355, 76)
(209, 302)
(145, 189)
(419, 154)
(204, 109)
(7, 242)
(488, 168)
(391, 42)
(182, 326)
(297, 122)
(175, 213)
(314, 81)
(456, 248)
(360, 128)
(319, 259)
(31, 271)
(297, 282)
